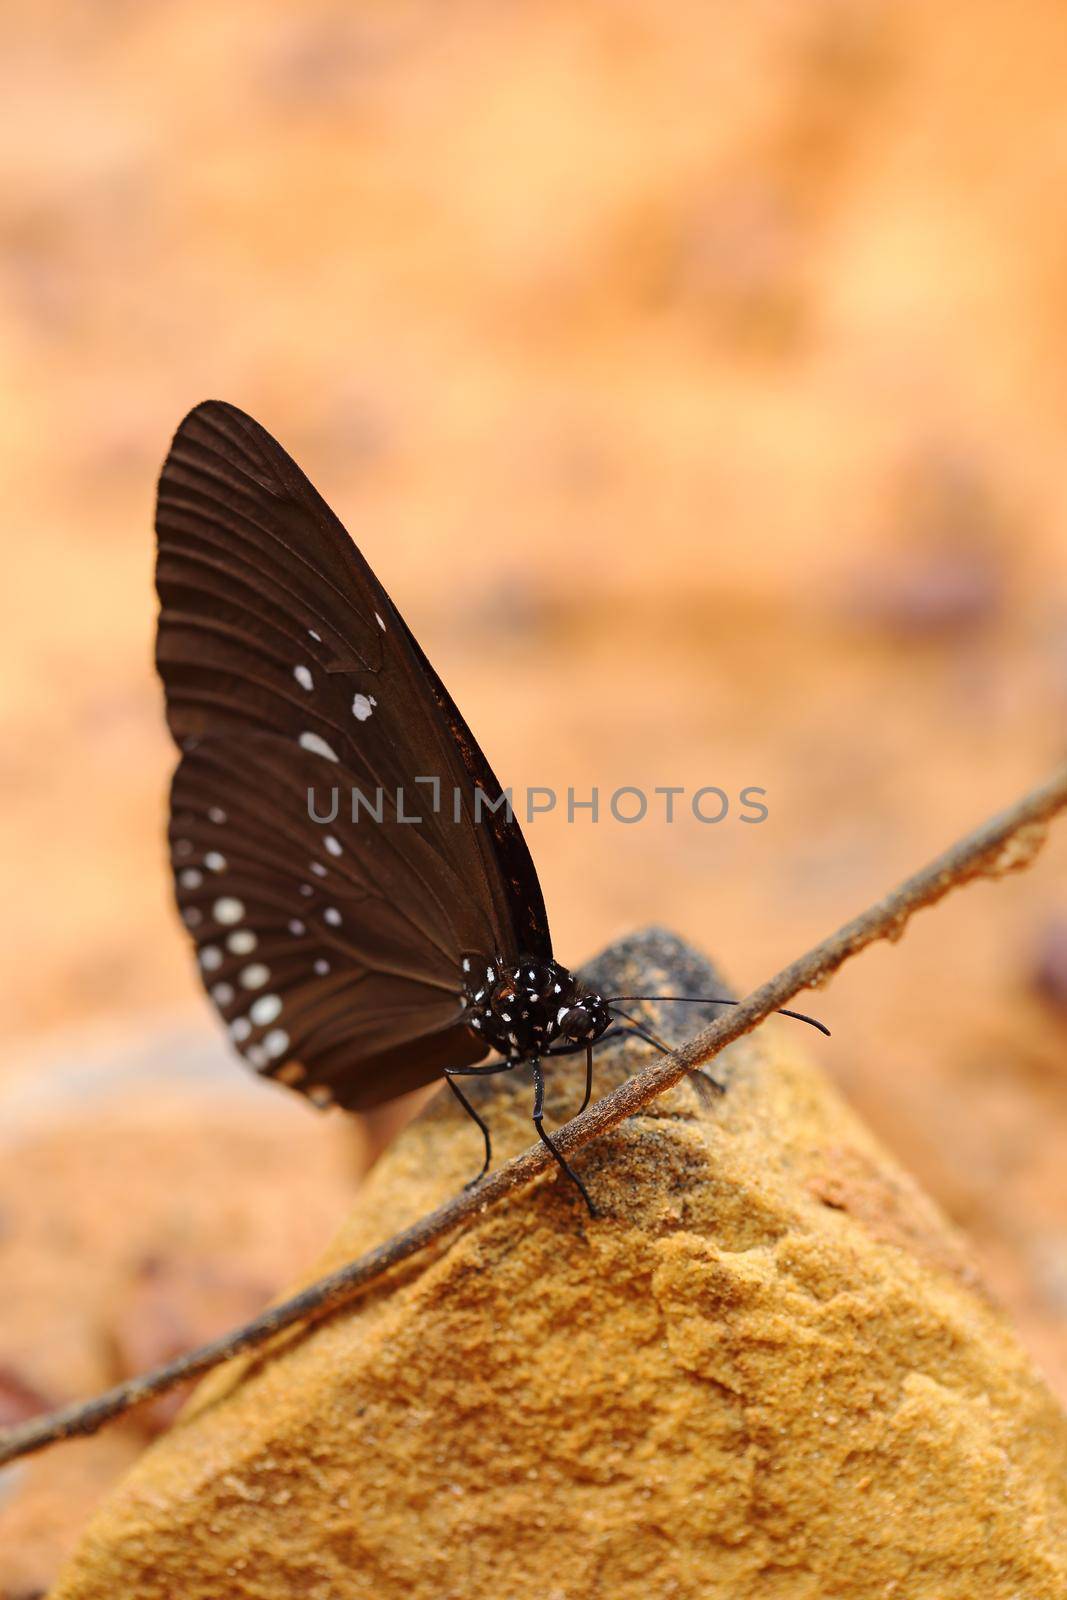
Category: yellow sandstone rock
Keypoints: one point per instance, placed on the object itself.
(769, 1370)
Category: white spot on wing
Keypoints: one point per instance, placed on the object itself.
(216, 814)
(191, 917)
(242, 943)
(240, 1028)
(190, 878)
(222, 994)
(316, 636)
(318, 869)
(296, 927)
(215, 861)
(332, 845)
(183, 847)
(303, 677)
(255, 976)
(332, 916)
(228, 910)
(265, 1009)
(362, 706)
(317, 746)
(276, 1043)
(322, 967)
(211, 958)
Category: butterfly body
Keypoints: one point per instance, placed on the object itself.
(531, 1007)
(337, 953)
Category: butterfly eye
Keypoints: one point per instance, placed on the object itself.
(577, 1024)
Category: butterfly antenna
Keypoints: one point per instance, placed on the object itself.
(714, 1000)
(702, 1078)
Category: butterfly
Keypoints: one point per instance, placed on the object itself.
(361, 957)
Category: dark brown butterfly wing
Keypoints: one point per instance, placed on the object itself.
(334, 953)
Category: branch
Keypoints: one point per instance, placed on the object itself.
(1007, 843)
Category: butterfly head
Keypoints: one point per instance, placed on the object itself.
(585, 1020)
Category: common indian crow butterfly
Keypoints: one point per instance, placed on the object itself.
(357, 960)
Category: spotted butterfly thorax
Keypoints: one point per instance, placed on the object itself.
(357, 960)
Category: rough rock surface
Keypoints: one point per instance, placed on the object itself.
(769, 1370)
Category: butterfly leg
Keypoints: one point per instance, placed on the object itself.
(558, 1157)
(573, 1050)
(588, 1078)
(451, 1074)
(657, 1044)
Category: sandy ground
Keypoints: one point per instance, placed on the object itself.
(694, 381)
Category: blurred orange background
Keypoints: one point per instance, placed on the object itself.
(694, 379)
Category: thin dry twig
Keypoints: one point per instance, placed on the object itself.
(1007, 843)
